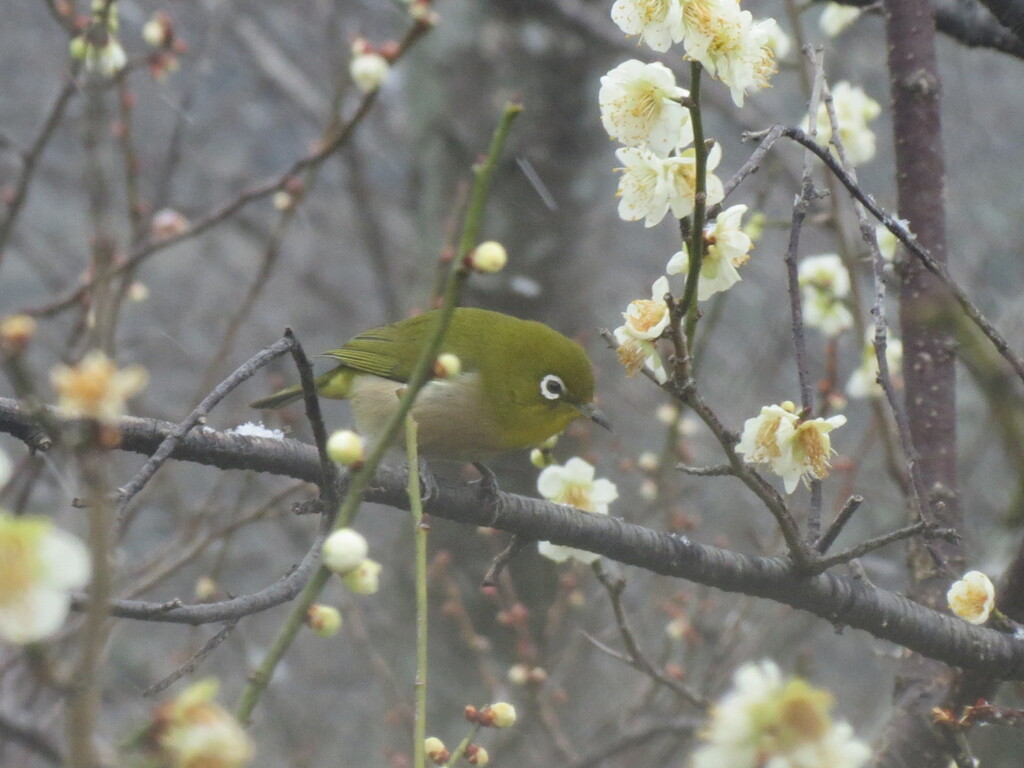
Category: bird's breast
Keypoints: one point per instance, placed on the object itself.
(453, 421)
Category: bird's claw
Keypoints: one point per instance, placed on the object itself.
(488, 481)
(429, 487)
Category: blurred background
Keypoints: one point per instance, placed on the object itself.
(256, 89)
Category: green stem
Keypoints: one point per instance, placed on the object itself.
(696, 247)
(421, 373)
(461, 749)
(420, 537)
(483, 173)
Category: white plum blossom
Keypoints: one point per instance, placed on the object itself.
(574, 484)
(95, 388)
(795, 449)
(824, 283)
(635, 354)
(39, 565)
(809, 451)
(836, 17)
(368, 71)
(730, 45)
(887, 241)
(766, 721)
(863, 382)
(854, 109)
(826, 313)
(658, 23)
(650, 185)
(778, 40)
(640, 106)
(193, 730)
(681, 181)
(640, 188)
(972, 598)
(728, 246)
(646, 320)
(765, 436)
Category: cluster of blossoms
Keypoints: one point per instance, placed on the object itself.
(824, 284)
(766, 720)
(863, 381)
(854, 110)
(345, 552)
(98, 48)
(835, 18)
(794, 448)
(726, 40)
(193, 730)
(644, 109)
(498, 715)
(574, 484)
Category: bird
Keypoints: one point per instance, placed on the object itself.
(519, 383)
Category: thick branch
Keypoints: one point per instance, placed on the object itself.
(838, 599)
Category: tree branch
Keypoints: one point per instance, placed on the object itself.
(840, 600)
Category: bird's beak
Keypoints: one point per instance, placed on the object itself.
(594, 413)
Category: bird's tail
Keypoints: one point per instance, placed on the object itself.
(329, 384)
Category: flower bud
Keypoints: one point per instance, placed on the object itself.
(648, 461)
(167, 223)
(324, 620)
(206, 589)
(78, 47)
(283, 200)
(344, 550)
(436, 750)
(488, 257)
(158, 31)
(364, 579)
(447, 365)
(500, 715)
(16, 331)
(369, 71)
(477, 755)
(518, 674)
(345, 447)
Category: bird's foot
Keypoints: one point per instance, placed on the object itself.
(488, 488)
(429, 488)
(488, 481)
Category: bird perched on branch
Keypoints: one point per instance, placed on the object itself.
(515, 383)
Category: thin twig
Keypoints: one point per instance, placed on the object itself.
(836, 526)
(198, 415)
(515, 545)
(190, 666)
(910, 242)
(718, 470)
(920, 527)
(30, 160)
(634, 655)
(257, 192)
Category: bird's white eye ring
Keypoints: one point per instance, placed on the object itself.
(552, 387)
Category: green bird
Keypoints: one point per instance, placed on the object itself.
(519, 383)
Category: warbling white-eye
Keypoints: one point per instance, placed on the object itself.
(520, 383)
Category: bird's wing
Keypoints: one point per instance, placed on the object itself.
(390, 351)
